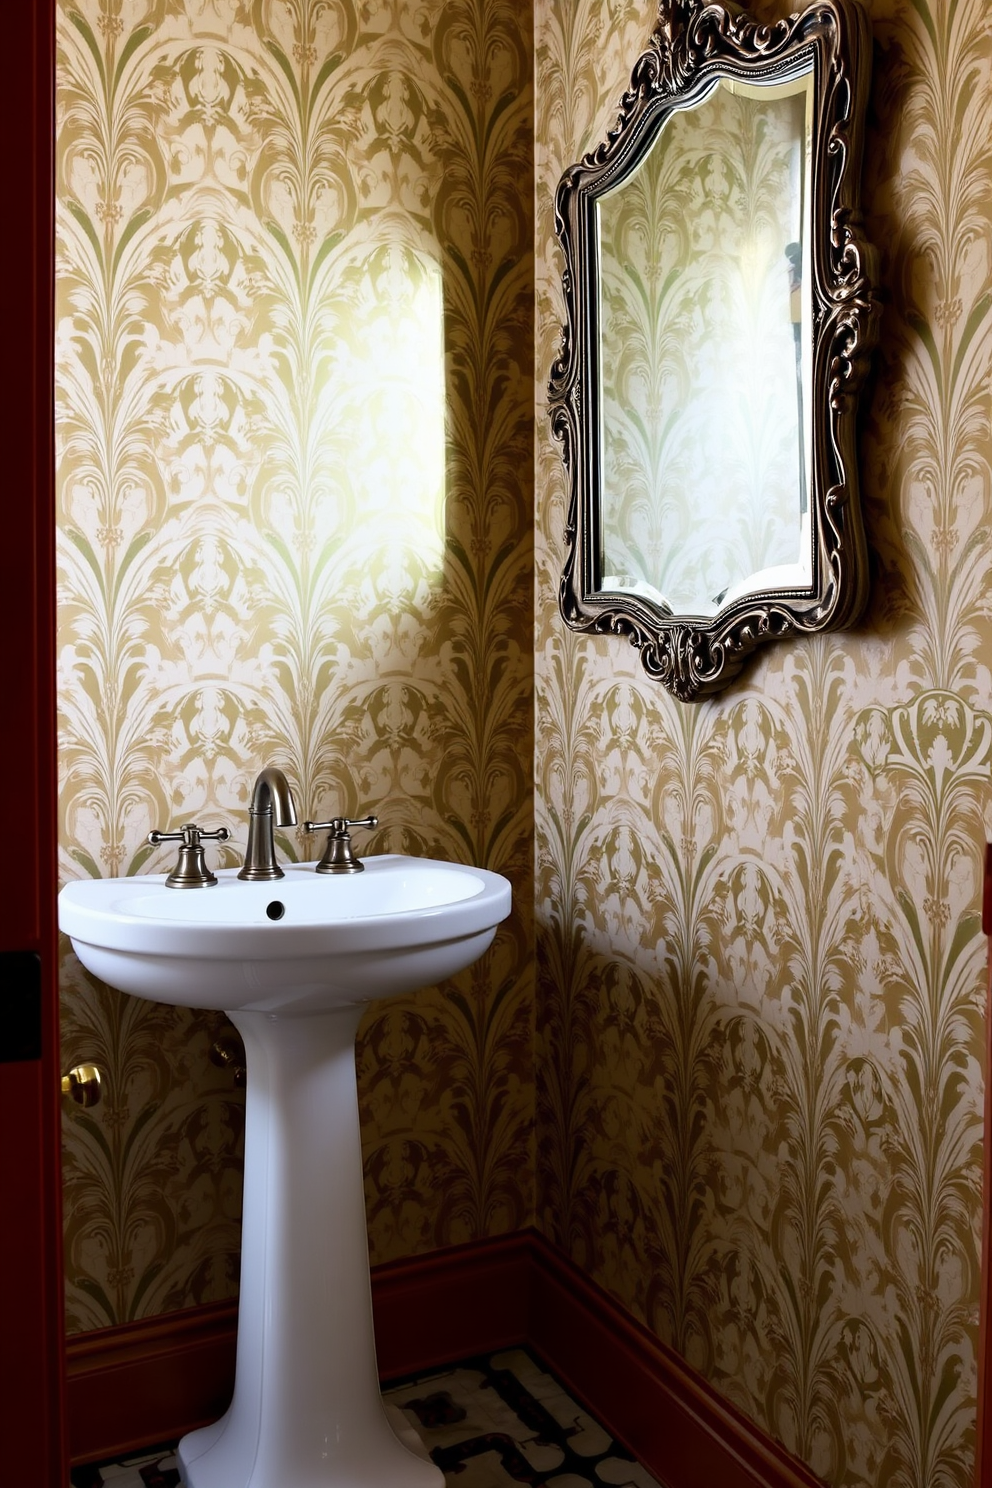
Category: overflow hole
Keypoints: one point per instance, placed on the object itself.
(275, 910)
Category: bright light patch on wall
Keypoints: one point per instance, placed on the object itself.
(389, 393)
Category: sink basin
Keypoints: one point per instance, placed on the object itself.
(303, 943)
(293, 962)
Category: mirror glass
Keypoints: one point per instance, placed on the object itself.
(705, 351)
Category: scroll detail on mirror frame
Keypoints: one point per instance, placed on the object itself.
(694, 46)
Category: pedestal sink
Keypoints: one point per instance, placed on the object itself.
(292, 963)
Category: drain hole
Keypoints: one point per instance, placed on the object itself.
(275, 910)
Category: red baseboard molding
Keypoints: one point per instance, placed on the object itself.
(675, 1423)
(151, 1381)
(451, 1304)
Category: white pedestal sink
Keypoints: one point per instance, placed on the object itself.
(293, 962)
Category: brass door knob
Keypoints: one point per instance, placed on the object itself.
(82, 1083)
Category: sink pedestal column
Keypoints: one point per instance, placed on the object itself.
(307, 1412)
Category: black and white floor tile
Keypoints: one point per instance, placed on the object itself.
(502, 1420)
(156, 1468)
(496, 1421)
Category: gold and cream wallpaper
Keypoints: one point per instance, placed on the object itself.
(296, 413)
(760, 964)
(294, 441)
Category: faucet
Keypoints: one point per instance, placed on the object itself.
(272, 805)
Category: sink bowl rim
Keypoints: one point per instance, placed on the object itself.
(89, 914)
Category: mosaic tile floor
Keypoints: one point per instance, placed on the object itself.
(495, 1421)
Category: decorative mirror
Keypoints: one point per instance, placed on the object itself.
(720, 317)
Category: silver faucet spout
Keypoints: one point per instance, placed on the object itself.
(272, 805)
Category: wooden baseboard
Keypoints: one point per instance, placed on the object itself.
(154, 1380)
(675, 1423)
(451, 1304)
(151, 1381)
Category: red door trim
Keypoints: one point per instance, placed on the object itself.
(31, 1401)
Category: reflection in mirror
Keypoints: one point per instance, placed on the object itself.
(720, 314)
(702, 308)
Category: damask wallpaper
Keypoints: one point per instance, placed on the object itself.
(761, 970)
(294, 441)
(285, 226)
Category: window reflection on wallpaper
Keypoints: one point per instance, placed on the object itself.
(386, 399)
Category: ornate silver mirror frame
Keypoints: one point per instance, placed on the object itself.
(825, 51)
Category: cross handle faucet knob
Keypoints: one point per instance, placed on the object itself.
(191, 872)
(339, 855)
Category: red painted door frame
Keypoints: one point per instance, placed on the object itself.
(31, 1399)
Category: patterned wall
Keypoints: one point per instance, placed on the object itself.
(760, 1001)
(294, 425)
(760, 997)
